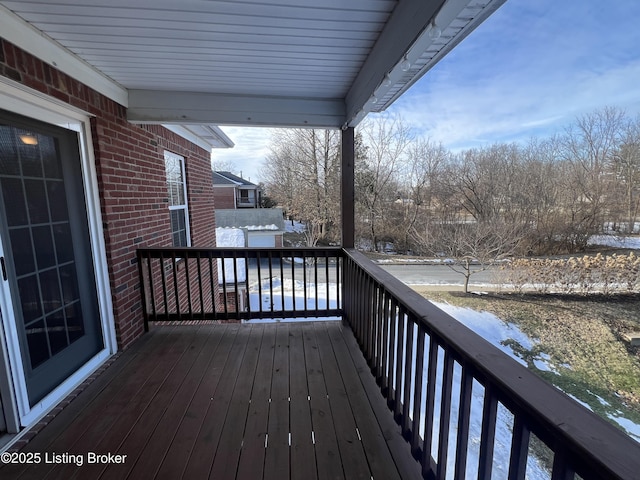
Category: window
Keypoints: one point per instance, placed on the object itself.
(177, 187)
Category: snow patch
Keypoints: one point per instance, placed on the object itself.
(615, 241)
(231, 237)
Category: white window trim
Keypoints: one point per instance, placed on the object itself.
(185, 205)
(17, 98)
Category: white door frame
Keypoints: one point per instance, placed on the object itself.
(22, 100)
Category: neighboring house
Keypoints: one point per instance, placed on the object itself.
(237, 204)
(232, 191)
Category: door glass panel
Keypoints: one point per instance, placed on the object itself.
(29, 153)
(69, 283)
(64, 247)
(49, 154)
(13, 194)
(37, 342)
(43, 224)
(75, 325)
(43, 243)
(30, 297)
(50, 287)
(56, 331)
(9, 159)
(22, 250)
(36, 201)
(57, 201)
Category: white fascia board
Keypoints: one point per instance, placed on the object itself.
(187, 135)
(407, 22)
(466, 14)
(25, 36)
(163, 107)
(222, 141)
(452, 12)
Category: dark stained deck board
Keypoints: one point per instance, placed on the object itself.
(134, 432)
(201, 458)
(163, 418)
(379, 457)
(354, 463)
(182, 444)
(328, 457)
(399, 449)
(276, 462)
(98, 392)
(251, 463)
(228, 453)
(138, 414)
(198, 402)
(303, 457)
(104, 412)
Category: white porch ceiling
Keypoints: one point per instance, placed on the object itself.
(323, 63)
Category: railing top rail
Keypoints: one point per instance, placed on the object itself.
(272, 249)
(156, 252)
(555, 414)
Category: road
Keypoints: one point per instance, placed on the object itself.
(429, 274)
(411, 274)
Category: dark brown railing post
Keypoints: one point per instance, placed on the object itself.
(348, 187)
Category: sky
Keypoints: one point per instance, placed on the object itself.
(528, 71)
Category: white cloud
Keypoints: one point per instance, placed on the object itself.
(251, 148)
(529, 71)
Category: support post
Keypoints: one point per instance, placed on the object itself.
(348, 188)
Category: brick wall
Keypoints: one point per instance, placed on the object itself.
(224, 197)
(131, 180)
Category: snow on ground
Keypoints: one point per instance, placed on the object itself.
(230, 237)
(492, 329)
(294, 226)
(502, 335)
(615, 241)
(284, 295)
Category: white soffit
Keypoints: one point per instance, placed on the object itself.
(242, 62)
(34, 41)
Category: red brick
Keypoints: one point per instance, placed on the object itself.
(131, 179)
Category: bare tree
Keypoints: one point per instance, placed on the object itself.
(588, 147)
(222, 165)
(302, 173)
(470, 247)
(386, 139)
(625, 167)
(422, 185)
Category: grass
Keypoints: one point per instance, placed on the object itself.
(582, 335)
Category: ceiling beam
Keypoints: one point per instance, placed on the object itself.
(407, 22)
(174, 107)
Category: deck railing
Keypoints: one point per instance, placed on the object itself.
(466, 409)
(180, 284)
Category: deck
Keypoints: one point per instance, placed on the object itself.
(227, 401)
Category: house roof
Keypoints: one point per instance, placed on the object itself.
(259, 62)
(228, 178)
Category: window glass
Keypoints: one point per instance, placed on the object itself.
(177, 194)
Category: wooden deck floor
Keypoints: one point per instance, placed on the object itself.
(272, 401)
